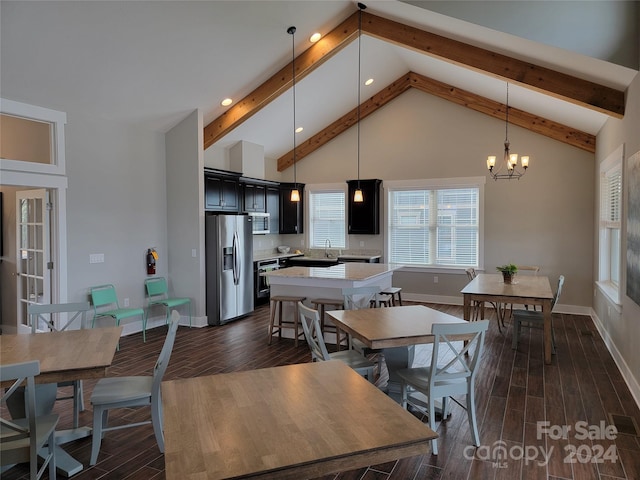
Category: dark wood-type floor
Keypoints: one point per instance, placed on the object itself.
(515, 390)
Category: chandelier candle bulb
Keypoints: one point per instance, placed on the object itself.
(491, 161)
(525, 162)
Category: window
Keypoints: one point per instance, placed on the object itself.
(435, 224)
(327, 217)
(609, 225)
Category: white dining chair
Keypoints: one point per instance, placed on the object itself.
(310, 320)
(57, 318)
(452, 371)
(23, 439)
(128, 392)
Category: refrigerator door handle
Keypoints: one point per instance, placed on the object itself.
(236, 260)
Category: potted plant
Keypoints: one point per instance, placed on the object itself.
(508, 272)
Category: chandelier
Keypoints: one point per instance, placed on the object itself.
(510, 162)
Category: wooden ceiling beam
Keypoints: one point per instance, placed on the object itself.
(550, 82)
(305, 63)
(540, 125)
(330, 132)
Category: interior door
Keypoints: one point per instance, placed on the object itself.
(33, 251)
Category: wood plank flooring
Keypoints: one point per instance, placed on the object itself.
(515, 391)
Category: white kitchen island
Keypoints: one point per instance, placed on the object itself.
(327, 282)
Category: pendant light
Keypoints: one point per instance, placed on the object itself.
(295, 193)
(357, 196)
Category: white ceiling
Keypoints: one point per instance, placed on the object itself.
(151, 63)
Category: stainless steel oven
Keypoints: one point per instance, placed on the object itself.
(261, 282)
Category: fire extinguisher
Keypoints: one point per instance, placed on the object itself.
(152, 256)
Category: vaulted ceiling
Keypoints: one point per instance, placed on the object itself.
(569, 88)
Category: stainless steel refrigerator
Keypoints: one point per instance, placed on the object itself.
(229, 257)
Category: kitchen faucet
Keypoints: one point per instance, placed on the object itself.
(326, 248)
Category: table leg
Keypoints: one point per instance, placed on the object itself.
(466, 310)
(397, 359)
(546, 311)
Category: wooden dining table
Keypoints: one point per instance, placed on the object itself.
(290, 422)
(63, 356)
(526, 290)
(396, 330)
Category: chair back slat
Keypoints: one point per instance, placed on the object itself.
(461, 357)
(310, 320)
(47, 314)
(104, 295)
(558, 292)
(156, 286)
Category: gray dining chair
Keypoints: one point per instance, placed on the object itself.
(532, 318)
(310, 320)
(57, 318)
(22, 439)
(128, 392)
(452, 371)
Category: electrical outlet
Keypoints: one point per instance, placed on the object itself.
(126, 302)
(194, 253)
(361, 243)
(435, 279)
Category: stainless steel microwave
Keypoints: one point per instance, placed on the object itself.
(260, 222)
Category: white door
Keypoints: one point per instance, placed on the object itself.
(33, 265)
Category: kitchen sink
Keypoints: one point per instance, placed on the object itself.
(313, 261)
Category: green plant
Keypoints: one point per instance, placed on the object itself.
(508, 268)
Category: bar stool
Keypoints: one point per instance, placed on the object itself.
(393, 292)
(320, 305)
(277, 302)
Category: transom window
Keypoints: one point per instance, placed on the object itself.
(435, 225)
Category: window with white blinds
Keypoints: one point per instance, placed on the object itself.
(434, 227)
(327, 218)
(610, 215)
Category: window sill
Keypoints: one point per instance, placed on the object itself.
(432, 269)
(611, 293)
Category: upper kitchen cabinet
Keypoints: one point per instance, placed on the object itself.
(273, 207)
(291, 213)
(221, 191)
(255, 197)
(364, 217)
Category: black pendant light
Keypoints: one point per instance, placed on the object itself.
(295, 193)
(357, 196)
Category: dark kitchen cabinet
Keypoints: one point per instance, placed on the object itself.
(291, 213)
(364, 217)
(255, 198)
(221, 192)
(273, 208)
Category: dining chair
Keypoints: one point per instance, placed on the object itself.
(453, 368)
(22, 439)
(105, 304)
(50, 318)
(310, 320)
(132, 392)
(477, 307)
(533, 318)
(158, 294)
(356, 298)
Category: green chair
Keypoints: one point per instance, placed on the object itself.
(158, 294)
(105, 304)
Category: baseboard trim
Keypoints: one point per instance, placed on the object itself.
(627, 374)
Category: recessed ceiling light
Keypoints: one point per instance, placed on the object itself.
(299, 129)
(226, 102)
(315, 37)
(369, 82)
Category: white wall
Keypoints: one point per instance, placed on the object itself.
(116, 205)
(620, 327)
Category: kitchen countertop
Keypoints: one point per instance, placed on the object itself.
(342, 271)
(258, 257)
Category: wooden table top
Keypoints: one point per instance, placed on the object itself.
(392, 326)
(66, 355)
(291, 422)
(526, 287)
